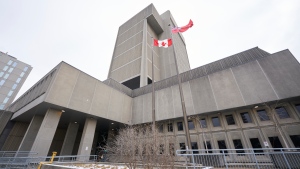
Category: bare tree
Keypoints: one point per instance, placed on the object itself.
(140, 145)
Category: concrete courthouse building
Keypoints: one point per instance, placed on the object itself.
(227, 101)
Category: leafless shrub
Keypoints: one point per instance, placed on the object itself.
(140, 145)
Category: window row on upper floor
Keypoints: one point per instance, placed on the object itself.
(263, 115)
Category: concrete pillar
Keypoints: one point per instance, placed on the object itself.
(87, 137)
(70, 138)
(31, 133)
(144, 67)
(46, 132)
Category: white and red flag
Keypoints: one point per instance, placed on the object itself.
(162, 43)
(183, 28)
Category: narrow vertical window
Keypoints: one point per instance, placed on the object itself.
(246, 117)
(170, 127)
(282, 113)
(179, 126)
(203, 123)
(216, 121)
(238, 145)
(222, 145)
(263, 115)
(191, 125)
(230, 119)
(256, 144)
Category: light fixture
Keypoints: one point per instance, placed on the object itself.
(256, 107)
(112, 129)
(62, 111)
(112, 123)
(75, 122)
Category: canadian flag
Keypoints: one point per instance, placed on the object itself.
(163, 43)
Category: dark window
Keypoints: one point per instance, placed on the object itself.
(216, 121)
(203, 123)
(161, 128)
(191, 125)
(296, 140)
(246, 117)
(170, 127)
(275, 142)
(238, 145)
(282, 113)
(230, 119)
(297, 107)
(256, 144)
(207, 146)
(161, 149)
(263, 115)
(179, 126)
(182, 147)
(195, 147)
(222, 145)
(172, 149)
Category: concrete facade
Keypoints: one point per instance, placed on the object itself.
(229, 100)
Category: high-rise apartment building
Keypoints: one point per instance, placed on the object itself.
(13, 74)
(228, 101)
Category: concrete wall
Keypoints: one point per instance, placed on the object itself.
(76, 90)
(271, 78)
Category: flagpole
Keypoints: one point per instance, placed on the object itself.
(153, 92)
(187, 132)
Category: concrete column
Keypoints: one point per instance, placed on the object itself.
(144, 67)
(70, 138)
(87, 137)
(31, 133)
(46, 132)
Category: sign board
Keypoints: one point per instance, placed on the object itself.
(266, 144)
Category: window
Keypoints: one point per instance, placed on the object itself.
(203, 123)
(161, 128)
(22, 74)
(207, 146)
(9, 62)
(230, 119)
(275, 142)
(1, 74)
(2, 82)
(282, 113)
(172, 149)
(195, 147)
(18, 80)
(238, 145)
(263, 115)
(170, 127)
(25, 69)
(216, 121)
(5, 100)
(182, 147)
(10, 93)
(161, 149)
(191, 125)
(14, 64)
(14, 86)
(222, 145)
(246, 117)
(256, 144)
(296, 105)
(296, 140)
(179, 126)
(10, 70)
(5, 68)
(1, 106)
(6, 76)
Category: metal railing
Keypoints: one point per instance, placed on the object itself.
(32, 162)
(264, 158)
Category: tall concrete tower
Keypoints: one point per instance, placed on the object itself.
(131, 62)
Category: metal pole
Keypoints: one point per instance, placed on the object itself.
(187, 132)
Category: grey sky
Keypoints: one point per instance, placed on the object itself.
(83, 33)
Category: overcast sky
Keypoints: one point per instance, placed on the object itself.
(83, 32)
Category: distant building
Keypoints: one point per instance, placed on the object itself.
(69, 111)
